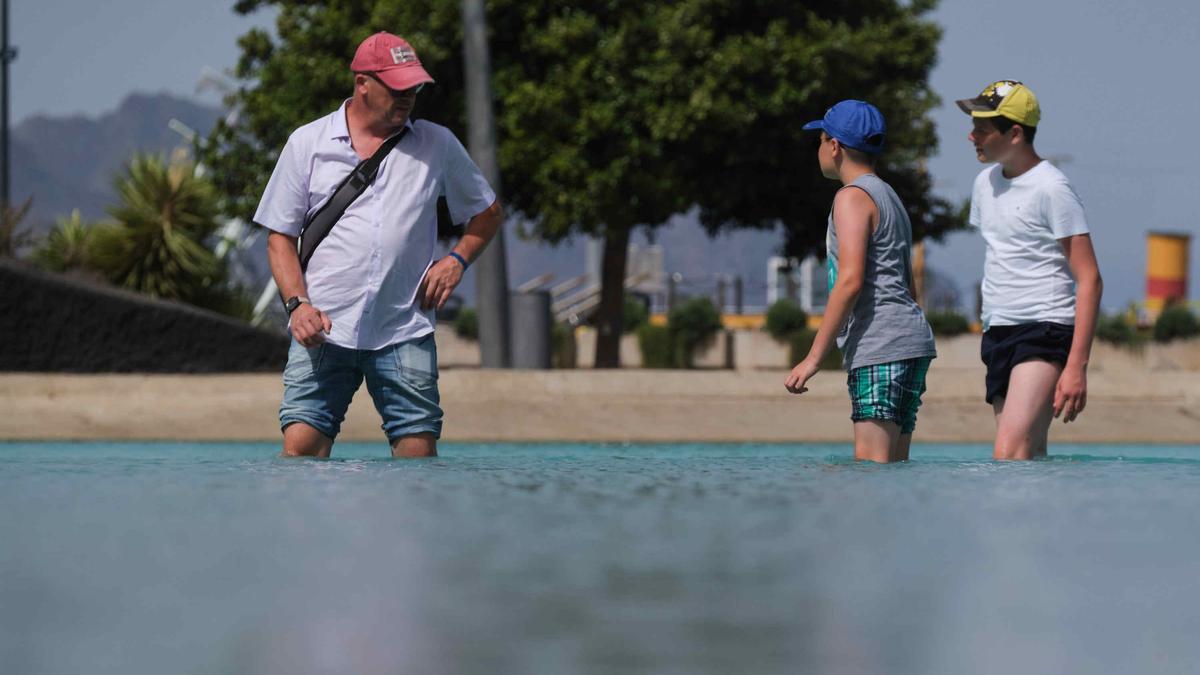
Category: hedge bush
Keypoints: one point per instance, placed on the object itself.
(947, 322)
(692, 324)
(785, 317)
(1176, 322)
(634, 314)
(466, 324)
(801, 343)
(657, 349)
(1115, 329)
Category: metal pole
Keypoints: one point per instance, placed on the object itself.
(491, 269)
(7, 55)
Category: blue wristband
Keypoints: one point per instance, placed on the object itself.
(460, 259)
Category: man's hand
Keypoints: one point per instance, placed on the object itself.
(800, 376)
(1070, 394)
(310, 325)
(439, 282)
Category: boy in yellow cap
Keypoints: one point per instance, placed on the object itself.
(1041, 283)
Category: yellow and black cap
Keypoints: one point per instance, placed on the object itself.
(1004, 98)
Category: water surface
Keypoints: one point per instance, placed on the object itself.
(504, 558)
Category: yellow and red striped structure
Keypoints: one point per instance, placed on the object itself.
(1166, 269)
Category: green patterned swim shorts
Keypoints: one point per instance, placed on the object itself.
(888, 391)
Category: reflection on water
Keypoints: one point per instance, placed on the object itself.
(178, 558)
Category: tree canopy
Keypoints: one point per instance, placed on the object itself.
(618, 114)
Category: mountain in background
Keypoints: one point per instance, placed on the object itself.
(68, 163)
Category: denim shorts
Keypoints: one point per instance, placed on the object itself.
(319, 382)
(888, 391)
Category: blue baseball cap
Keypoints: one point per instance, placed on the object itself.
(855, 124)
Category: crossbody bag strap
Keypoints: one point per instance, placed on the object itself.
(354, 184)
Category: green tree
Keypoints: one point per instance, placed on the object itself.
(156, 244)
(615, 115)
(67, 247)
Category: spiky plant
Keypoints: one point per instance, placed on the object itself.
(68, 246)
(12, 235)
(156, 242)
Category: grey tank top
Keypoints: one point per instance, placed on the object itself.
(885, 324)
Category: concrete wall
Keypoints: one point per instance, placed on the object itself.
(750, 349)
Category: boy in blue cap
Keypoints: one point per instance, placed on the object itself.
(886, 343)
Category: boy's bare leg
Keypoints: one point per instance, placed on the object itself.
(301, 440)
(1023, 416)
(902, 444)
(876, 441)
(417, 445)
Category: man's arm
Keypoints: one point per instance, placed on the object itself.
(853, 211)
(309, 325)
(444, 276)
(1070, 395)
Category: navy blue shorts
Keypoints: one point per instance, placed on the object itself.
(1003, 347)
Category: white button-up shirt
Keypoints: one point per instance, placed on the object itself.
(365, 273)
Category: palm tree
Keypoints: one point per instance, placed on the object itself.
(12, 237)
(67, 247)
(156, 244)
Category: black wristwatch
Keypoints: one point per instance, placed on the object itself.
(293, 302)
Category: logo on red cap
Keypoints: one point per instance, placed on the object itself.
(403, 55)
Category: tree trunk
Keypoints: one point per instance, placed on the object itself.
(609, 319)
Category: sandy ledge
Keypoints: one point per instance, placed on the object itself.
(1125, 406)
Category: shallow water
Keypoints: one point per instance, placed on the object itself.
(220, 558)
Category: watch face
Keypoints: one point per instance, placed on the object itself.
(291, 304)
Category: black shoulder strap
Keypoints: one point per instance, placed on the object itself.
(323, 219)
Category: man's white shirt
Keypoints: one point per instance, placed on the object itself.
(366, 272)
(1026, 275)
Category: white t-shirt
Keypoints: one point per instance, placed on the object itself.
(1026, 277)
(365, 274)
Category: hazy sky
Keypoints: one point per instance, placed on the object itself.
(1113, 78)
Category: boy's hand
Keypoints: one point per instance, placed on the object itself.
(800, 376)
(1070, 394)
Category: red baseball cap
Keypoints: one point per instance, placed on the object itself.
(392, 59)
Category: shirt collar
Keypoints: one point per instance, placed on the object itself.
(338, 128)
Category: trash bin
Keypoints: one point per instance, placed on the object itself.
(531, 341)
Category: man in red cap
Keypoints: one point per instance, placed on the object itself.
(363, 307)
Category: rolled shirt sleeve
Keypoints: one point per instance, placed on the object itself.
(1064, 211)
(466, 191)
(284, 202)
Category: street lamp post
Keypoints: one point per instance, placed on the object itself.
(8, 54)
(491, 269)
